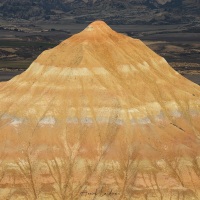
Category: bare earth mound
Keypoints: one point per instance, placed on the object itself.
(100, 116)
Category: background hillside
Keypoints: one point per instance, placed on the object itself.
(112, 11)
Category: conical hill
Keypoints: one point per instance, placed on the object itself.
(100, 110)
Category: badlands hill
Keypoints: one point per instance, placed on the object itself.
(100, 113)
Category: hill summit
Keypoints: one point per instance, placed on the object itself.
(100, 112)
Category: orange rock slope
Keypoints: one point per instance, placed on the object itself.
(99, 116)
